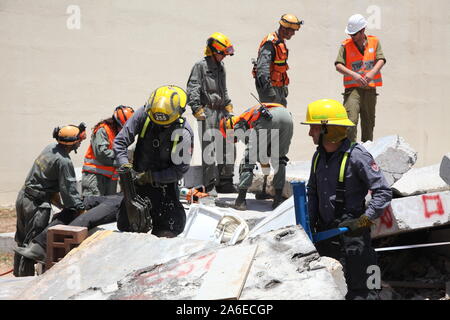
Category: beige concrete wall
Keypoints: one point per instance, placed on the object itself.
(51, 75)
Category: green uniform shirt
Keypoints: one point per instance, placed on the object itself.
(341, 54)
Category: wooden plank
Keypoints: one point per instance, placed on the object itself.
(101, 234)
(228, 273)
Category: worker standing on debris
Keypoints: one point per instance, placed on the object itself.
(99, 171)
(272, 126)
(360, 60)
(209, 100)
(162, 155)
(342, 173)
(270, 69)
(51, 180)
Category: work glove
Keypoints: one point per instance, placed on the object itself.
(126, 167)
(143, 178)
(356, 226)
(229, 108)
(200, 114)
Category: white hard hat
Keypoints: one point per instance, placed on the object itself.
(355, 23)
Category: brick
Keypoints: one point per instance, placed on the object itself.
(61, 239)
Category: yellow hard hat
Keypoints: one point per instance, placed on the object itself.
(291, 21)
(328, 112)
(166, 104)
(218, 43)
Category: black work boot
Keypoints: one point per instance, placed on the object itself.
(240, 203)
(33, 251)
(278, 199)
(226, 187)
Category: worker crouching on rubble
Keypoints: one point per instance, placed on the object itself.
(267, 131)
(98, 210)
(161, 158)
(99, 171)
(50, 180)
(342, 173)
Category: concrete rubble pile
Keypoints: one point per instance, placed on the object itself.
(160, 268)
(274, 257)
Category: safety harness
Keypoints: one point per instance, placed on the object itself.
(339, 208)
(180, 123)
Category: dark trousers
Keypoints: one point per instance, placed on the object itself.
(168, 215)
(100, 210)
(356, 255)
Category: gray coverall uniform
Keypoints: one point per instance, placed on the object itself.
(52, 172)
(362, 174)
(166, 151)
(207, 88)
(267, 92)
(279, 133)
(93, 184)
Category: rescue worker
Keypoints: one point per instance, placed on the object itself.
(272, 126)
(161, 158)
(99, 210)
(342, 173)
(209, 101)
(50, 180)
(270, 69)
(360, 60)
(99, 177)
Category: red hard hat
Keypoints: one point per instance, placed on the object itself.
(122, 114)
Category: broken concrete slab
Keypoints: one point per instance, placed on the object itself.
(415, 212)
(282, 216)
(141, 266)
(225, 280)
(393, 155)
(444, 169)
(419, 181)
(287, 266)
(104, 259)
(282, 269)
(295, 171)
(11, 285)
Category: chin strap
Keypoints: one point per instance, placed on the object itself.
(323, 131)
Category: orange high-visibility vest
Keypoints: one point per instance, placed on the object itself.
(279, 66)
(362, 64)
(253, 114)
(92, 165)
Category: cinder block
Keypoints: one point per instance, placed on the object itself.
(61, 239)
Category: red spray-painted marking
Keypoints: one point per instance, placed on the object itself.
(386, 219)
(176, 271)
(436, 199)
